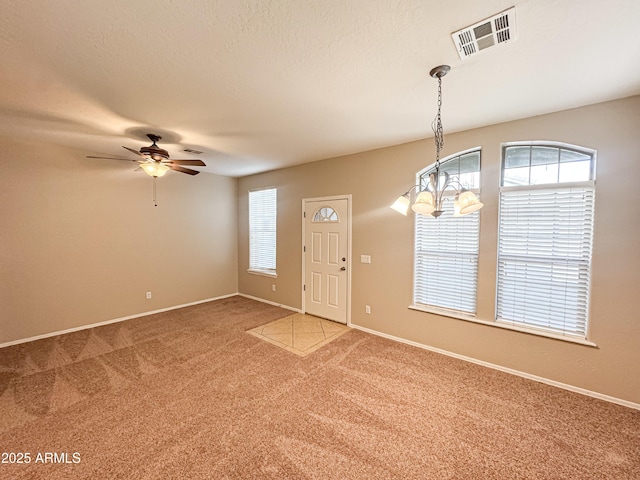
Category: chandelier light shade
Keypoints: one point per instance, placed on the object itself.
(468, 202)
(154, 169)
(429, 201)
(401, 205)
(425, 203)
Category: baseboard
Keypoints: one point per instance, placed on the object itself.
(258, 299)
(115, 320)
(512, 371)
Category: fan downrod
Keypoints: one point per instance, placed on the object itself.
(154, 138)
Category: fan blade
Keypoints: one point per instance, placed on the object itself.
(135, 151)
(115, 158)
(194, 163)
(188, 171)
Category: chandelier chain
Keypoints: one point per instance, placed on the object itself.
(437, 127)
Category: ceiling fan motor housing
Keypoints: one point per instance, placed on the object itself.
(157, 153)
(154, 151)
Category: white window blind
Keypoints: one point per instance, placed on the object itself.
(446, 248)
(262, 230)
(446, 260)
(544, 258)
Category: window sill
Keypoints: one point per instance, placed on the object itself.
(498, 324)
(264, 273)
(444, 312)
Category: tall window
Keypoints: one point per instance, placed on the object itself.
(262, 231)
(446, 248)
(545, 237)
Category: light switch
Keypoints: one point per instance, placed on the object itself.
(365, 258)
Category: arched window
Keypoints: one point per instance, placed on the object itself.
(326, 214)
(446, 248)
(545, 234)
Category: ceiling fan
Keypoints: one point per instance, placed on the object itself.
(155, 160)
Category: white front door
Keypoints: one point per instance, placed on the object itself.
(326, 262)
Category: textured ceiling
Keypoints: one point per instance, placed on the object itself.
(258, 84)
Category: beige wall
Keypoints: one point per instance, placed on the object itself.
(377, 177)
(81, 242)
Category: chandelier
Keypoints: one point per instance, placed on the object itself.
(429, 201)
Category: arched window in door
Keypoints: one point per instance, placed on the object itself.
(326, 214)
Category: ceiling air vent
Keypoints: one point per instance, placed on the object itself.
(191, 150)
(500, 28)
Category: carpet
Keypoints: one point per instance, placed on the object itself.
(189, 394)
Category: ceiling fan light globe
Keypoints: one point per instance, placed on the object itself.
(154, 169)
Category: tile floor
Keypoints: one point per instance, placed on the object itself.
(300, 333)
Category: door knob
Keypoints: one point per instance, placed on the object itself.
(342, 269)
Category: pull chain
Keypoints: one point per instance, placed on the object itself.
(155, 203)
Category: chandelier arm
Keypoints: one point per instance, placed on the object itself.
(449, 183)
(455, 184)
(408, 192)
(446, 184)
(440, 200)
(458, 185)
(432, 183)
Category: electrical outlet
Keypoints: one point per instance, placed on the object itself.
(273, 288)
(367, 309)
(148, 295)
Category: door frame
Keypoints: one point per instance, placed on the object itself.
(346, 197)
